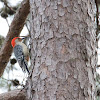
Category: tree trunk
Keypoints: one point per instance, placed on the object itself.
(63, 50)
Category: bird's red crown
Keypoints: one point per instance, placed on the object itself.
(13, 41)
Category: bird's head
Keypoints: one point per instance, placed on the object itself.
(15, 40)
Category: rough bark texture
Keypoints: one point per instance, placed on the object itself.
(63, 50)
(14, 95)
(14, 30)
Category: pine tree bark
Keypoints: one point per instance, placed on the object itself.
(63, 50)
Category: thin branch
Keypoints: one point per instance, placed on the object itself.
(14, 30)
(25, 36)
(27, 27)
(13, 80)
(5, 3)
(7, 22)
(98, 66)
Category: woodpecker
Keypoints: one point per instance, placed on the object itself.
(21, 53)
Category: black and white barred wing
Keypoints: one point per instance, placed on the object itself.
(18, 51)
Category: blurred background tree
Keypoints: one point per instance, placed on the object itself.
(10, 80)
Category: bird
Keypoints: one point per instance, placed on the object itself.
(21, 53)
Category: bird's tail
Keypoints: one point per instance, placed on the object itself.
(26, 66)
